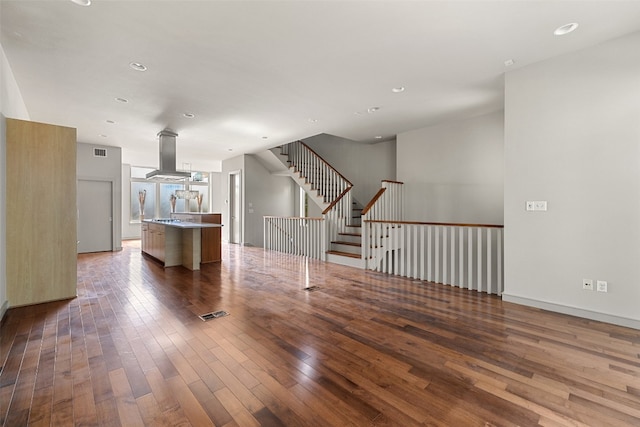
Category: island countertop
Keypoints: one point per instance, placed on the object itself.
(181, 224)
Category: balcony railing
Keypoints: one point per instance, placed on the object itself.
(468, 256)
(298, 236)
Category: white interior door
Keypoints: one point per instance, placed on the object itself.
(234, 207)
(95, 216)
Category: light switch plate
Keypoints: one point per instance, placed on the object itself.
(601, 286)
(531, 206)
(540, 205)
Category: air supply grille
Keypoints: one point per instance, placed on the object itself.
(213, 315)
(99, 152)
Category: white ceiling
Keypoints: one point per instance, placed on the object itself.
(255, 69)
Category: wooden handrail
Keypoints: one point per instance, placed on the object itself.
(326, 163)
(448, 224)
(373, 201)
(335, 202)
(393, 182)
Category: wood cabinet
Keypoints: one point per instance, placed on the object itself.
(161, 242)
(211, 238)
(41, 216)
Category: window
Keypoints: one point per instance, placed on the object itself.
(153, 198)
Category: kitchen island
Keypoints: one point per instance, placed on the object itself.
(175, 242)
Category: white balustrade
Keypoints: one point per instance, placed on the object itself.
(466, 256)
(298, 236)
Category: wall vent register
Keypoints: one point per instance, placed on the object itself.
(99, 152)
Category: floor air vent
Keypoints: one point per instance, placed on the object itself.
(213, 315)
(310, 288)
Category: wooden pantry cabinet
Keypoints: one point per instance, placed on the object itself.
(41, 212)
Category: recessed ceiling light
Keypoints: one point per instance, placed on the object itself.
(313, 120)
(509, 62)
(123, 100)
(265, 137)
(372, 109)
(565, 29)
(378, 137)
(358, 113)
(398, 89)
(189, 115)
(103, 135)
(110, 122)
(230, 149)
(137, 66)
(82, 2)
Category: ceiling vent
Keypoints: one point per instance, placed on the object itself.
(167, 168)
(99, 152)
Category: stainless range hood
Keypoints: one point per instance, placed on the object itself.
(167, 168)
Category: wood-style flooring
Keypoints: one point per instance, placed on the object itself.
(361, 349)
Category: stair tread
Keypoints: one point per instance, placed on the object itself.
(350, 234)
(342, 242)
(355, 225)
(347, 254)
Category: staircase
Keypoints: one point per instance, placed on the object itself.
(340, 238)
(347, 249)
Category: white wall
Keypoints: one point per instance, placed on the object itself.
(234, 164)
(215, 191)
(454, 172)
(108, 169)
(365, 165)
(11, 105)
(265, 195)
(572, 138)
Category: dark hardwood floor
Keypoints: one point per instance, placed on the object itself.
(363, 349)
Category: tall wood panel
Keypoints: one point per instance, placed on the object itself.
(41, 212)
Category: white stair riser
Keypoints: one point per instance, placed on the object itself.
(349, 238)
(343, 260)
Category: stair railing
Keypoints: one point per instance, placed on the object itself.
(304, 236)
(386, 205)
(328, 182)
(337, 216)
(298, 236)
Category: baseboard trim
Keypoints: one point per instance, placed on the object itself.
(573, 311)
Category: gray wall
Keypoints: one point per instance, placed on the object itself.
(215, 192)
(365, 165)
(4, 304)
(572, 138)
(262, 195)
(265, 195)
(109, 169)
(228, 166)
(11, 105)
(454, 172)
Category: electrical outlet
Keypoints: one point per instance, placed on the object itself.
(601, 286)
(587, 284)
(531, 206)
